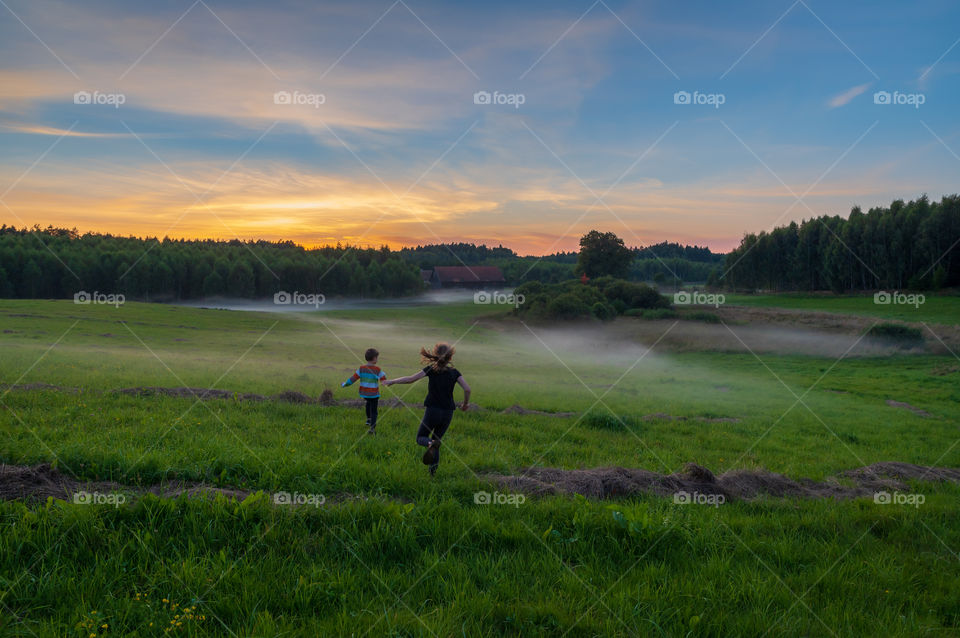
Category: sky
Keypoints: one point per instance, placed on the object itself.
(527, 124)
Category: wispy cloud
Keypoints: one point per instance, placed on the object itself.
(37, 129)
(847, 96)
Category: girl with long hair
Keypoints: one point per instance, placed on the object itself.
(439, 405)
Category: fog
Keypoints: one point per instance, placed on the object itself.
(301, 302)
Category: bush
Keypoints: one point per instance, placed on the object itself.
(529, 289)
(567, 306)
(603, 298)
(603, 311)
(898, 334)
(630, 294)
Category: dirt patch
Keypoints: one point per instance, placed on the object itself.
(39, 482)
(292, 396)
(519, 409)
(907, 406)
(190, 393)
(616, 482)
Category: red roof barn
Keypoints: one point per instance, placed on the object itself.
(466, 276)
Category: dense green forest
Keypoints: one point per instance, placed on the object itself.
(668, 262)
(57, 263)
(904, 246)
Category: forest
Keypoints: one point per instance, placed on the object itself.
(56, 263)
(911, 245)
(53, 263)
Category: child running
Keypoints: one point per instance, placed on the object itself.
(369, 376)
(439, 405)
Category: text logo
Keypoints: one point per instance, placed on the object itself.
(899, 99)
(483, 297)
(286, 498)
(85, 298)
(284, 298)
(509, 99)
(486, 498)
(695, 298)
(110, 99)
(696, 498)
(698, 98)
(299, 99)
(898, 298)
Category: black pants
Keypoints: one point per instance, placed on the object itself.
(372, 411)
(433, 426)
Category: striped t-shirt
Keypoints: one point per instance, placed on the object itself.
(369, 377)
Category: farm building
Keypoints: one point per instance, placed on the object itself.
(464, 276)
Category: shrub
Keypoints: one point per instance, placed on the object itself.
(529, 289)
(604, 298)
(603, 311)
(567, 306)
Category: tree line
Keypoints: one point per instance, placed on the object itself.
(57, 263)
(913, 245)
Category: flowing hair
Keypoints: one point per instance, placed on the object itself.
(440, 358)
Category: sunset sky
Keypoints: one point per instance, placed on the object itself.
(389, 144)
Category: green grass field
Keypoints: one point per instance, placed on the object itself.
(394, 552)
(939, 309)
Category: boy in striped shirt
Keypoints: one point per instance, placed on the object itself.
(369, 376)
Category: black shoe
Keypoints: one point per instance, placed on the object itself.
(433, 470)
(432, 455)
(372, 430)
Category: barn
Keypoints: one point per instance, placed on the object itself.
(466, 277)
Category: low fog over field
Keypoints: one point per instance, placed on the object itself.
(297, 302)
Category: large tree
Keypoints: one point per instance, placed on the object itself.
(603, 254)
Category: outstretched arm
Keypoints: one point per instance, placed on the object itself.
(466, 393)
(408, 379)
(351, 380)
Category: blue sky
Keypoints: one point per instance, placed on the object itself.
(390, 145)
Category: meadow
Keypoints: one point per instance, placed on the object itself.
(393, 552)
